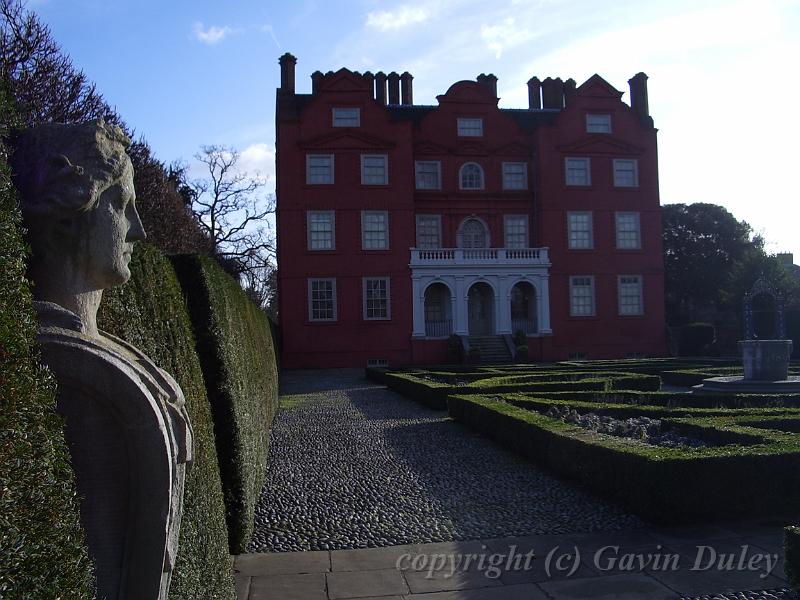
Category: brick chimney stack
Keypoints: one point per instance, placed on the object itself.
(638, 84)
(316, 79)
(534, 93)
(394, 88)
(406, 90)
(553, 93)
(370, 78)
(570, 91)
(490, 81)
(287, 63)
(380, 87)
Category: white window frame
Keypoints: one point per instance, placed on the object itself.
(461, 177)
(334, 307)
(364, 218)
(623, 244)
(310, 238)
(469, 126)
(309, 159)
(571, 168)
(371, 178)
(438, 221)
(342, 116)
(572, 243)
(419, 174)
(365, 305)
(618, 171)
(598, 123)
(573, 287)
(511, 180)
(630, 309)
(507, 219)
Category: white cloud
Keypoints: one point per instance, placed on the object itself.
(397, 19)
(271, 31)
(258, 159)
(505, 34)
(212, 34)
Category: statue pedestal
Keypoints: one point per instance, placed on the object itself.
(765, 360)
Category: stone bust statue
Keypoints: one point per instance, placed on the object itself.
(126, 424)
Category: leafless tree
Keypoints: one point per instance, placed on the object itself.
(233, 209)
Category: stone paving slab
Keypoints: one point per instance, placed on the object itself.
(362, 584)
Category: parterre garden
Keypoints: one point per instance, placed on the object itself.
(632, 431)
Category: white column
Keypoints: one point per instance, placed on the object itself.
(418, 304)
(461, 321)
(503, 306)
(544, 305)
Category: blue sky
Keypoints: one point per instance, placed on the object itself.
(723, 74)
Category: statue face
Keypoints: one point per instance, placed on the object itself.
(114, 226)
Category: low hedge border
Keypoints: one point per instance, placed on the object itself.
(791, 547)
(692, 377)
(679, 399)
(234, 343)
(570, 380)
(666, 485)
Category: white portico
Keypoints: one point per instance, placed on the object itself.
(480, 291)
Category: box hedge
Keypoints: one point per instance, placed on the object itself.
(42, 549)
(235, 346)
(791, 549)
(667, 485)
(149, 312)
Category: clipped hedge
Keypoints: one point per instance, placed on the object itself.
(791, 548)
(667, 485)
(149, 312)
(234, 343)
(42, 549)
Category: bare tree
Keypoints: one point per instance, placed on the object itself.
(233, 209)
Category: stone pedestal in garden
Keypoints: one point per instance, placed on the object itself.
(765, 360)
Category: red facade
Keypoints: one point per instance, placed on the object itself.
(400, 224)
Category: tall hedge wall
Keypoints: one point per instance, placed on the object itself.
(235, 346)
(42, 550)
(149, 312)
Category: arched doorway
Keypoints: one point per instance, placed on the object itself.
(480, 309)
(473, 234)
(438, 320)
(523, 308)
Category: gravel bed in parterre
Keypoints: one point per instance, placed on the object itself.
(354, 465)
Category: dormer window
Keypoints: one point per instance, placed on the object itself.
(470, 176)
(598, 123)
(470, 127)
(347, 117)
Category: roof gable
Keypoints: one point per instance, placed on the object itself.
(598, 87)
(427, 147)
(344, 80)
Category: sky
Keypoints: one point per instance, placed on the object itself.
(723, 76)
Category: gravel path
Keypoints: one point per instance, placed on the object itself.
(354, 465)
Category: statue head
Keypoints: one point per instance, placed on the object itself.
(78, 202)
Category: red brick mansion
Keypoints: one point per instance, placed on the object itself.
(401, 224)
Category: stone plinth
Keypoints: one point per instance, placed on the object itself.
(765, 360)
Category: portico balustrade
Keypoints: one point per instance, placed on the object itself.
(471, 256)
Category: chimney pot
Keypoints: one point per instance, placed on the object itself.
(406, 90)
(534, 93)
(490, 81)
(316, 80)
(394, 88)
(639, 103)
(287, 63)
(380, 87)
(553, 93)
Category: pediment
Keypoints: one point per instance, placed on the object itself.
(601, 145)
(430, 148)
(598, 87)
(513, 149)
(468, 92)
(346, 140)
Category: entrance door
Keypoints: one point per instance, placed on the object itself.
(480, 309)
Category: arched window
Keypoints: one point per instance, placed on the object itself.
(472, 234)
(470, 176)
